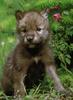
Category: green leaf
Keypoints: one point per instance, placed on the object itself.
(68, 60)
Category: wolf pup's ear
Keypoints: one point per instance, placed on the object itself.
(44, 13)
(19, 15)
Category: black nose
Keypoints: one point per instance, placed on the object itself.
(29, 38)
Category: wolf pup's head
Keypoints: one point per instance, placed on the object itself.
(32, 27)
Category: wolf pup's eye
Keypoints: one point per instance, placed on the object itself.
(39, 29)
(25, 30)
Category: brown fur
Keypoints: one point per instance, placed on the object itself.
(26, 53)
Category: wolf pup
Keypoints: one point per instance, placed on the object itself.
(33, 32)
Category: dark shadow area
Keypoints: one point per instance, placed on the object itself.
(35, 75)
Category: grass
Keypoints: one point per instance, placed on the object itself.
(7, 41)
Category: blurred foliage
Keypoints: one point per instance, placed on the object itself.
(62, 38)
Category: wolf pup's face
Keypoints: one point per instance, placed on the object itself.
(32, 27)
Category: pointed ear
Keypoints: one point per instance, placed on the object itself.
(19, 15)
(44, 13)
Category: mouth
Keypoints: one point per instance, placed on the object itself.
(32, 45)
